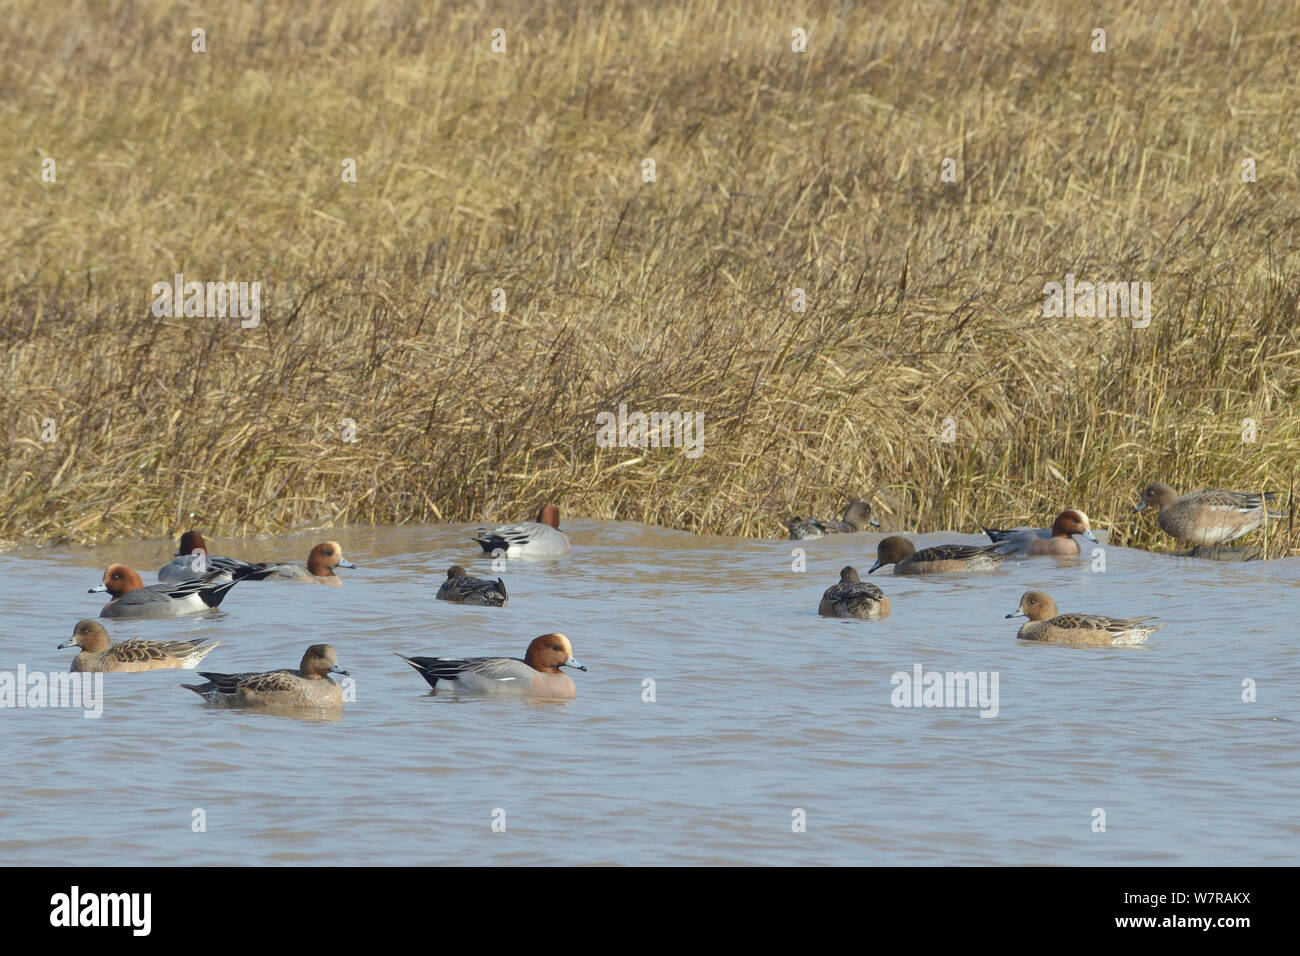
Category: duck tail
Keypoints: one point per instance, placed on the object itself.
(214, 594)
(203, 652)
(253, 572)
(421, 669)
(491, 542)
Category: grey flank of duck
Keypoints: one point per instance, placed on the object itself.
(1207, 518)
(460, 588)
(853, 597)
(100, 655)
(1048, 626)
(941, 559)
(857, 517)
(309, 686)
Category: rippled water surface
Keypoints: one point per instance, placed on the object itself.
(761, 708)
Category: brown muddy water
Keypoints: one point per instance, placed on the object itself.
(772, 736)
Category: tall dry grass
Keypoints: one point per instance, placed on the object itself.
(775, 170)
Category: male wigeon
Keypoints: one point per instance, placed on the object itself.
(308, 686)
(321, 562)
(540, 538)
(536, 675)
(857, 516)
(131, 599)
(902, 554)
(1096, 630)
(192, 559)
(1207, 518)
(460, 588)
(853, 597)
(99, 654)
(1058, 539)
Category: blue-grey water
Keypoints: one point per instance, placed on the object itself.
(761, 709)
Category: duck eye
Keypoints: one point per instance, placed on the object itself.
(556, 647)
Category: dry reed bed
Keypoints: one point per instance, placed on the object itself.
(522, 171)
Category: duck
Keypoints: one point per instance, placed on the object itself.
(321, 562)
(540, 538)
(100, 655)
(943, 558)
(131, 599)
(1207, 518)
(853, 597)
(309, 686)
(857, 517)
(1056, 540)
(537, 674)
(1048, 626)
(192, 559)
(460, 588)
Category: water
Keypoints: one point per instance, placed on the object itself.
(761, 708)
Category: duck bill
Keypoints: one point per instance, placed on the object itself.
(338, 670)
(573, 662)
(878, 564)
(875, 522)
(1090, 536)
(1017, 614)
(346, 564)
(1140, 506)
(68, 643)
(97, 589)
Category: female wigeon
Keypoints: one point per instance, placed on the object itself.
(460, 588)
(192, 560)
(1208, 517)
(1096, 630)
(1058, 539)
(853, 597)
(537, 675)
(100, 655)
(857, 516)
(540, 538)
(902, 554)
(308, 686)
(131, 599)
